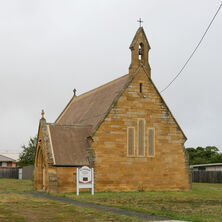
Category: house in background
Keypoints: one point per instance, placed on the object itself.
(207, 167)
(8, 160)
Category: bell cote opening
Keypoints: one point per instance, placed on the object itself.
(139, 52)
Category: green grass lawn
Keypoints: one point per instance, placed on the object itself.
(203, 203)
(16, 205)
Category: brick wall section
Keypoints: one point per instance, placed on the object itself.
(168, 170)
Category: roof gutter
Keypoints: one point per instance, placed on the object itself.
(63, 165)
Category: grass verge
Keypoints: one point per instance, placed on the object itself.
(203, 203)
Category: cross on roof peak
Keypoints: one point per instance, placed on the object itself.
(140, 21)
(43, 113)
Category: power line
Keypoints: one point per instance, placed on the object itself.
(193, 50)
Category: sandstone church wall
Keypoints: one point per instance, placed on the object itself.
(58, 179)
(66, 179)
(114, 169)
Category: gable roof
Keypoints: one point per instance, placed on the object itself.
(69, 144)
(91, 107)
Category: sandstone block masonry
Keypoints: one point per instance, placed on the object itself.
(114, 169)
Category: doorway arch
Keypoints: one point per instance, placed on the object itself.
(40, 174)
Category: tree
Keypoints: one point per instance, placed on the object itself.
(200, 155)
(26, 157)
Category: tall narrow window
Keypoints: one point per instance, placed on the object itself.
(141, 125)
(130, 141)
(141, 87)
(151, 141)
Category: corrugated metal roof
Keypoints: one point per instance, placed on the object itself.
(14, 156)
(6, 159)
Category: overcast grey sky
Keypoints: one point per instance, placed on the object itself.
(49, 47)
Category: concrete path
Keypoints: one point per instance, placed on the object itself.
(103, 208)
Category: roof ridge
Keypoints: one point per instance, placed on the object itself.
(99, 87)
(76, 98)
(74, 125)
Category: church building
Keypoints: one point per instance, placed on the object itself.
(123, 129)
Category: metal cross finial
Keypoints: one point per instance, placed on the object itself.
(74, 91)
(43, 113)
(140, 21)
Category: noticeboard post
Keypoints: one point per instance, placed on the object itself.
(84, 179)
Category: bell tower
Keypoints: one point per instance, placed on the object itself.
(139, 52)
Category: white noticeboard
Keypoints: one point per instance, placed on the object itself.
(84, 179)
